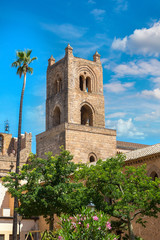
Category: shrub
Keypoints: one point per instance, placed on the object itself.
(89, 225)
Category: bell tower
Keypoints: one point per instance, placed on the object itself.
(75, 114)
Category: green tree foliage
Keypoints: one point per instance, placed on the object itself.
(45, 187)
(123, 192)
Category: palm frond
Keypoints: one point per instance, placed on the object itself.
(28, 53)
(31, 60)
(20, 71)
(23, 61)
(16, 64)
(20, 55)
(30, 70)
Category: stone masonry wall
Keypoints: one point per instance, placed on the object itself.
(8, 154)
(84, 141)
(81, 141)
(50, 140)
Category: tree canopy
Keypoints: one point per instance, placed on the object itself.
(122, 192)
(45, 187)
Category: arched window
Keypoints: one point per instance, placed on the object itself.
(58, 86)
(1, 143)
(88, 84)
(92, 159)
(154, 175)
(81, 82)
(56, 117)
(86, 116)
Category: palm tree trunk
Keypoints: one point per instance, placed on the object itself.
(18, 159)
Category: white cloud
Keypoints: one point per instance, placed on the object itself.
(156, 81)
(122, 5)
(152, 93)
(117, 86)
(98, 13)
(67, 31)
(152, 116)
(36, 115)
(144, 41)
(119, 44)
(125, 128)
(138, 68)
(116, 115)
(104, 60)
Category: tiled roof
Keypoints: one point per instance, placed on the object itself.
(130, 145)
(143, 152)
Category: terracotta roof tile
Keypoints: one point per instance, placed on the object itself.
(130, 145)
(143, 152)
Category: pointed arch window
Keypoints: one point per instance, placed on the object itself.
(56, 117)
(154, 175)
(92, 157)
(58, 86)
(86, 115)
(88, 84)
(81, 82)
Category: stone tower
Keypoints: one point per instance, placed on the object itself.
(75, 115)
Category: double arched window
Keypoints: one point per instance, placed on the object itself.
(85, 83)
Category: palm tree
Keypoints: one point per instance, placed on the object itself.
(22, 65)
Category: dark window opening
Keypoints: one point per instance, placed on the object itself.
(58, 86)
(88, 84)
(56, 116)
(154, 175)
(11, 237)
(92, 159)
(81, 78)
(86, 116)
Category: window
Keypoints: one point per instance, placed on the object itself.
(88, 84)
(1, 236)
(11, 237)
(58, 86)
(86, 116)
(56, 117)
(81, 80)
(85, 84)
(92, 159)
(154, 175)
(1, 143)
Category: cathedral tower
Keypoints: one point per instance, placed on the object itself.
(75, 109)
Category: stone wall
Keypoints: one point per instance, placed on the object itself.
(85, 141)
(81, 141)
(8, 154)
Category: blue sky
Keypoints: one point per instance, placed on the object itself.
(125, 33)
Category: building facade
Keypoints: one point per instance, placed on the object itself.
(8, 151)
(75, 115)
